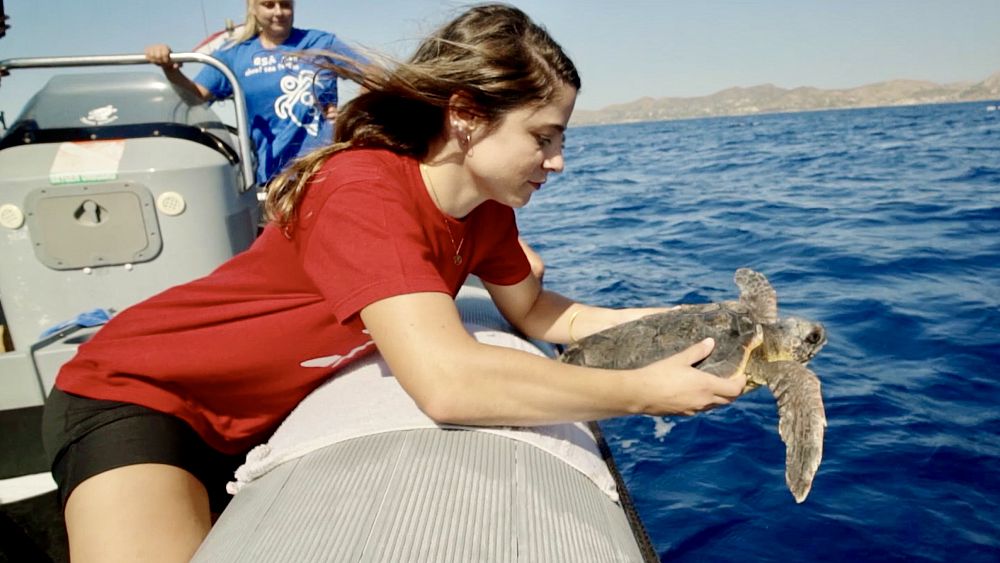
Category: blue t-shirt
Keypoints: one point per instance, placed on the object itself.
(285, 95)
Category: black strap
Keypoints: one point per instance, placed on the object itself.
(649, 554)
(27, 132)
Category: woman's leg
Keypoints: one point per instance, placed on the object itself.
(136, 484)
(145, 512)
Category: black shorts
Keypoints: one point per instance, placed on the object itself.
(84, 437)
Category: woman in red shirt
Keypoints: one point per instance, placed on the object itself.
(369, 241)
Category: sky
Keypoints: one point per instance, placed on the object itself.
(624, 49)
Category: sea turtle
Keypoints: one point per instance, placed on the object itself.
(749, 336)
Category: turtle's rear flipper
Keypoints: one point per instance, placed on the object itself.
(801, 422)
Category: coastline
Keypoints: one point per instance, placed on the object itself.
(769, 99)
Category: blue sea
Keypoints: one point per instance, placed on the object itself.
(884, 224)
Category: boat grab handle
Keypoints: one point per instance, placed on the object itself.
(242, 127)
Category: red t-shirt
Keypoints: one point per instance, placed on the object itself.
(232, 353)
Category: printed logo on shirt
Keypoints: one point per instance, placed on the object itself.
(299, 90)
(271, 62)
(336, 359)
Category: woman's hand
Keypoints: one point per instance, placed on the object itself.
(674, 387)
(159, 54)
(192, 92)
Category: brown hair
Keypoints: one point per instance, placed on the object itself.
(493, 55)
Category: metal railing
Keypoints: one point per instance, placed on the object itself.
(242, 125)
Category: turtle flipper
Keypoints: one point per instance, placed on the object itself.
(757, 294)
(801, 422)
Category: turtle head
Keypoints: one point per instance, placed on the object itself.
(795, 338)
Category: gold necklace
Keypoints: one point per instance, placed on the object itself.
(430, 184)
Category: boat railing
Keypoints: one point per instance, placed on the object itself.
(242, 126)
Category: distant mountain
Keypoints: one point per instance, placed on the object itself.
(768, 98)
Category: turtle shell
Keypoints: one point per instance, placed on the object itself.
(654, 337)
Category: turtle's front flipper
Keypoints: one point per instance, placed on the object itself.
(757, 294)
(801, 422)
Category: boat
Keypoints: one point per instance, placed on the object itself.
(115, 188)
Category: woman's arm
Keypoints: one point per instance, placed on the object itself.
(548, 316)
(455, 379)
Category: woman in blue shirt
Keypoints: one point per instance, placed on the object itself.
(291, 103)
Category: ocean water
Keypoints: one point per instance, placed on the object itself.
(884, 224)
